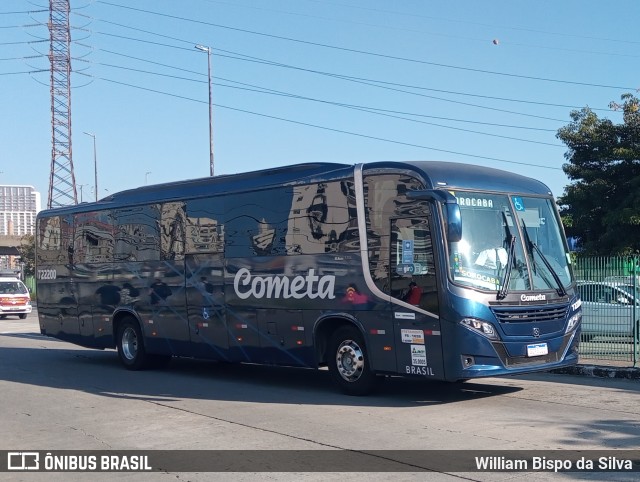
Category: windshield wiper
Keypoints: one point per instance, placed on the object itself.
(531, 247)
(511, 239)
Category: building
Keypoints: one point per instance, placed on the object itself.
(19, 206)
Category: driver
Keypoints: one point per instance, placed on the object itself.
(492, 253)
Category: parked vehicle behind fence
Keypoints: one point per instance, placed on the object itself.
(609, 308)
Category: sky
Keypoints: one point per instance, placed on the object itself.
(348, 81)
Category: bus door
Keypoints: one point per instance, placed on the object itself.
(413, 284)
(205, 305)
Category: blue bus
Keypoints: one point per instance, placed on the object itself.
(432, 270)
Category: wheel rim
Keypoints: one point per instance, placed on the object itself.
(350, 360)
(129, 343)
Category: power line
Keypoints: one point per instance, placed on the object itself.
(23, 12)
(28, 57)
(332, 129)
(374, 83)
(438, 34)
(350, 78)
(523, 29)
(371, 83)
(355, 79)
(363, 52)
(24, 72)
(22, 26)
(367, 109)
(25, 43)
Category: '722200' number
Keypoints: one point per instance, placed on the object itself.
(47, 274)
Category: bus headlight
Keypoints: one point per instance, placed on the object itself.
(573, 321)
(479, 326)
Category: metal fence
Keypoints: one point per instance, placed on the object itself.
(610, 291)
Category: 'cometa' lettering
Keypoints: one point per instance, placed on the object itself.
(540, 297)
(310, 286)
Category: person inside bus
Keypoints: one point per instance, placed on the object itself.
(413, 294)
(490, 245)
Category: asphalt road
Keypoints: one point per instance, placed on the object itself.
(57, 396)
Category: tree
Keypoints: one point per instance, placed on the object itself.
(602, 204)
(27, 250)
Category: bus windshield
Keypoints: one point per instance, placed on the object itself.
(509, 243)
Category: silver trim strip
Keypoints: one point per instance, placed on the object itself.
(364, 248)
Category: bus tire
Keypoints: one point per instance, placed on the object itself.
(131, 345)
(348, 362)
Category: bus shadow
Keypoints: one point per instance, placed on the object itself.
(100, 373)
(275, 384)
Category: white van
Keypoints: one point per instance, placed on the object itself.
(14, 298)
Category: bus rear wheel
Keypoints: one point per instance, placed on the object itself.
(131, 345)
(348, 362)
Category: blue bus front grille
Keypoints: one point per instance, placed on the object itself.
(530, 314)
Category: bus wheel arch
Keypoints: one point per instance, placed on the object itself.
(324, 330)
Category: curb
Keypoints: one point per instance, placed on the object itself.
(631, 373)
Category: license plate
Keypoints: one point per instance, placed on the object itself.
(538, 349)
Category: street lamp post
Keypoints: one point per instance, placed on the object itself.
(146, 175)
(208, 51)
(95, 163)
(81, 186)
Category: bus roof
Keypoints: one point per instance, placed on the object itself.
(446, 175)
(455, 175)
(207, 186)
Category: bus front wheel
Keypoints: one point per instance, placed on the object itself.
(131, 345)
(348, 362)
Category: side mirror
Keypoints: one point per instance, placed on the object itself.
(453, 221)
